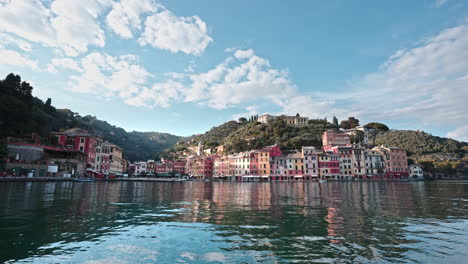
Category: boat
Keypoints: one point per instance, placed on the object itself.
(82, 180)
(323, 181)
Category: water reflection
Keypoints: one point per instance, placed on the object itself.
(198, 222)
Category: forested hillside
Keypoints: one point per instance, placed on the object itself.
(22, 114)
(421, 144)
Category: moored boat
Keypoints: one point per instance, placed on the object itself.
(82, 180)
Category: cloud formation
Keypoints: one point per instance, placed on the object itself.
(13, 58)
(75, 26)
(107, 76)
(165, 30)
(125, 17)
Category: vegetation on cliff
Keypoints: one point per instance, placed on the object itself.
(22, 115)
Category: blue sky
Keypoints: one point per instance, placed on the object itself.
(185, 66)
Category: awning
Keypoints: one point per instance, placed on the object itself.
(297, 176)
(251, 176)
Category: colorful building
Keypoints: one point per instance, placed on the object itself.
(331, 137)
(345, 154)
(375, 166)
(396, 162)
(79, 140)
(310, 160)
(359, 162)
(329, 165)
(115, 159)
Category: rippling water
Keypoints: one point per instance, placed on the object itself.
(204, 222)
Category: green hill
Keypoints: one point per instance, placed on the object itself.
(242, 136)
(22, 114)
(136, 145)
(421, 145)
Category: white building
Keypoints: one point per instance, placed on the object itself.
(416, 171)
(375, 166)
(309, 155)
(359, 162)
(264, 118)
(280, 166)
(140, 167)
(366, 132)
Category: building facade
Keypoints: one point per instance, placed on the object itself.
(331, 137)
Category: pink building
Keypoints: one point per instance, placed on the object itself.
(200, 167)
(179, 167)
(331, 137)
(395, 160)
(254, 163)
(221, 167)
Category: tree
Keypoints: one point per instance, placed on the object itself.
(375, 128)
(350, 123)
(212, 144)
(335, 121)
(376, 125)
(242, 120)
(3, 150)
(357, 137)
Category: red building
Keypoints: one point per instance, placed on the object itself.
(329, 165)
(79, 140)
(179, 167)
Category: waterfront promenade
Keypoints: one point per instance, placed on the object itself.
(62, 179)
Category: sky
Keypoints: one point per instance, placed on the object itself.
(182, 67)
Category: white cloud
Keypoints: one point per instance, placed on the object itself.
(13, 58)
(243, 77)
(125, 16)
(461, 133)
(161, 94)
(69, 25)
(77, 25)
(67, 63)
(28, 19)
(108, 76)
(8, 40)
(164, 30)
(51, 68)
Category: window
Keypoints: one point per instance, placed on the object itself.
(82, 140)
(81, 148)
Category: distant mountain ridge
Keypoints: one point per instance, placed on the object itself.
(137, 145)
